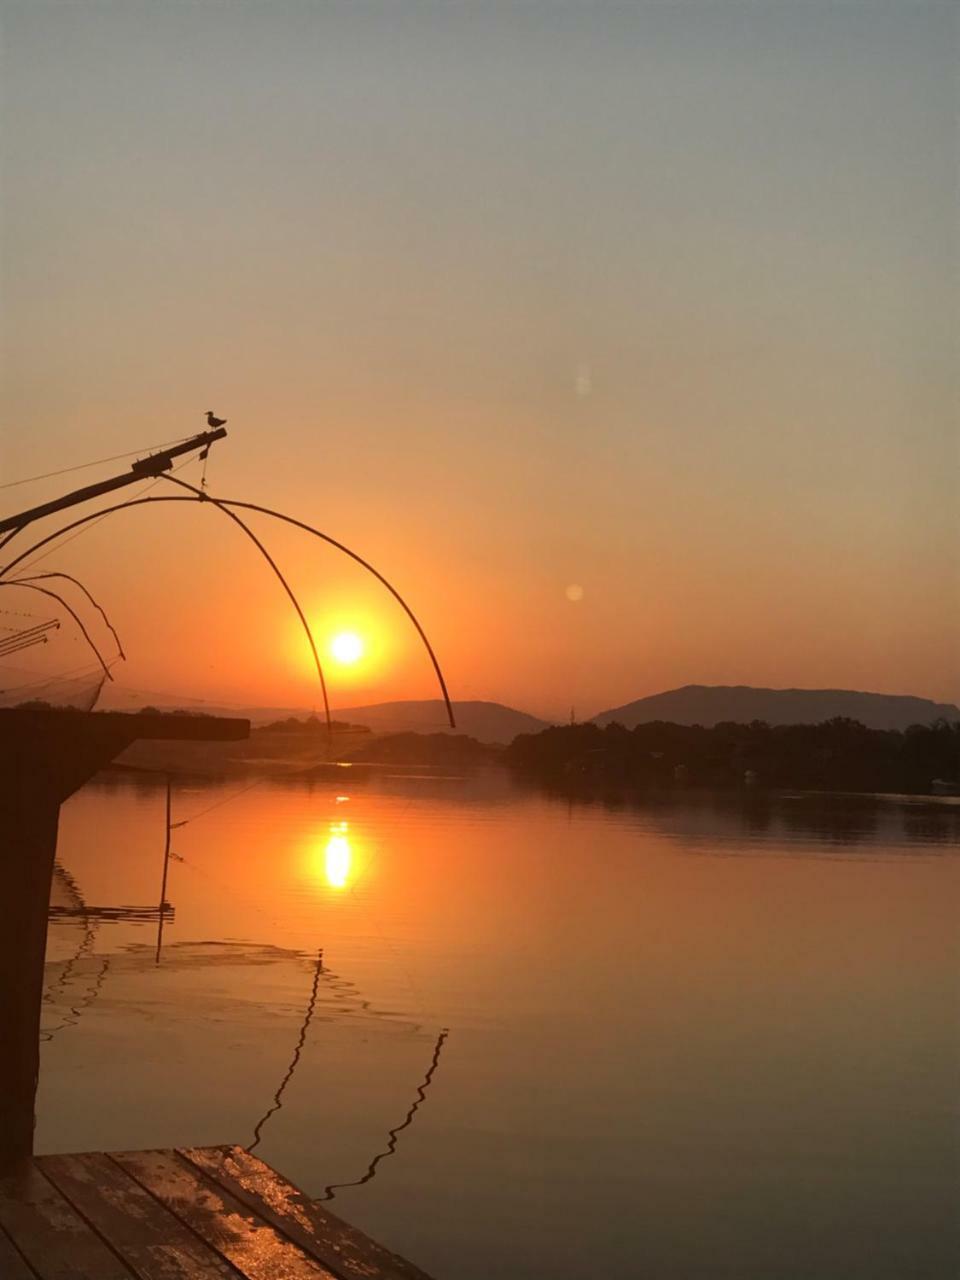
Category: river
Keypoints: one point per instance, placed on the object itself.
(519, 1035)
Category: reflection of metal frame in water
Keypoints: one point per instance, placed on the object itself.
(277, 1102)
(77, 908)
(342, 989)
(298, 1049)
(393, 1134)
(78, 1009)
(91, 919)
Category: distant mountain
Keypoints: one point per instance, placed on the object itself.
(710, 704)
(485, 721)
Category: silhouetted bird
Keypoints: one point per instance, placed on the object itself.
(212, 421)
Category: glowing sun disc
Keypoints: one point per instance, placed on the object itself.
(347, 647)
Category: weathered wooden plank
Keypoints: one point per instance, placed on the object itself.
(12, 1265)
(254, 1247)
(339, 1246)
(50, 1233)
(153, 1242)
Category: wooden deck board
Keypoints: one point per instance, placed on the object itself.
(348, 1252)
(51, 1235)
(256, 1249)
(12, 1265)
(201, 1213)
(150, 1239)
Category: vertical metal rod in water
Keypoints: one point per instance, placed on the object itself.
(163, 886)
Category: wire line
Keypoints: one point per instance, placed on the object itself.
(93, 521)
(82, 466)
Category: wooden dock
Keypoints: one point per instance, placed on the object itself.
(198, 1213)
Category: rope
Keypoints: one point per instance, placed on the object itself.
(82, 466)
(94, 520)
(217, 803)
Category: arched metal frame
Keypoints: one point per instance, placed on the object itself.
(223, 503)
(39, 577)
(31, 586)
(205, 497)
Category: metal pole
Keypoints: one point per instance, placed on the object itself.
(163, 885)
(153, 465)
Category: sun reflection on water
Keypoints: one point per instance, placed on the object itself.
(337, 856)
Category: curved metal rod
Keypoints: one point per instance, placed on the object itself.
(225, 503)
(139, 502)
(30, 586)
(136, 502)
(299, 524)
(204, 497)
(38, 577)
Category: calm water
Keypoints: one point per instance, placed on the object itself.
(683, 1040)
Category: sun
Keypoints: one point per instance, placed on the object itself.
(347, 647)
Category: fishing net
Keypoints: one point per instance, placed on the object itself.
(79, 692)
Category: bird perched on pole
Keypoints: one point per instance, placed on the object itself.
(214, 422)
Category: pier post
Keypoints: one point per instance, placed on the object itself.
(28, 823)
(46, 755)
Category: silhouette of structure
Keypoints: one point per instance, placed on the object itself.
(62, 1211)
(45, 755)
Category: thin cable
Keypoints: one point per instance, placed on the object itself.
(234, 795)
(93, 522)
(83, 466)
(86, 669)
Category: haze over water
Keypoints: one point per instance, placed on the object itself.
(688, 1038)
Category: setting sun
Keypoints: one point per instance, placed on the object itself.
(347, 647)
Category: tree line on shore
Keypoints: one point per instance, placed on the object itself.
(836, 755)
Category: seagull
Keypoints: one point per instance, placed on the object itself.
(212, 421)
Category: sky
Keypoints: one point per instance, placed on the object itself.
(621, 337)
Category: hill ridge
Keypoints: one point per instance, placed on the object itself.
(711, 704)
